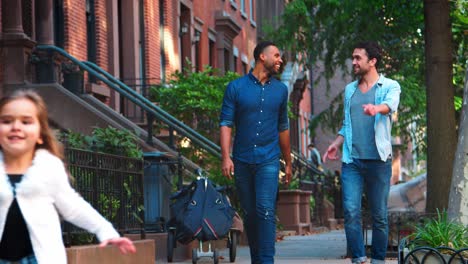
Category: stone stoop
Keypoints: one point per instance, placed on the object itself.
(93, 254)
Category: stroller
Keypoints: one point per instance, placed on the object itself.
(202, 211)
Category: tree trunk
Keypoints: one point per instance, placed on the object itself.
(458, 206)
(441, 133)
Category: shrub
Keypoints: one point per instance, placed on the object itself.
(439, 231)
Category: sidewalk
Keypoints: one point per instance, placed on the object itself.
(327, 248)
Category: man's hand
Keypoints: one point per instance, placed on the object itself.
(286, 179)
(331, 153)
(227, 167)
(370, 109)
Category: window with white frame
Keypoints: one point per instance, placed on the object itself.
(252, 13)
(233, 4)
(242, 8)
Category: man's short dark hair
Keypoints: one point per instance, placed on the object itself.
(373, 50)
(260, 48)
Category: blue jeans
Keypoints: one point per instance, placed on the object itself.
(257, 186)
(375, 176)
(26, 260)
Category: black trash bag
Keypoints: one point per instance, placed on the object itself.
(201, 211)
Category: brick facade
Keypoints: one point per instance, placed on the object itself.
(74, 13)
(152, 41)
(242, 45)
(117, 32)
(102, 55)
(171, 37)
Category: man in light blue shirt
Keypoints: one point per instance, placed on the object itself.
(366, 139)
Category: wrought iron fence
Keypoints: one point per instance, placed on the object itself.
(113, 185)
(429, 255)
(402, 224)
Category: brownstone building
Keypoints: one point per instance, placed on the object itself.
(139, 42)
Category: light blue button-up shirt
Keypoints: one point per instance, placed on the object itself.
(387, 92)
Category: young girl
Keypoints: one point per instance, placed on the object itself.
(34, 188)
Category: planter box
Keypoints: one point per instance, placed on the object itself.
(92, 254)
(293, 210)
(181, 252)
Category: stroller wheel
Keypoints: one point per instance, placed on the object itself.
(194, 255)
(216, 256)
(170, 245)
(233, 238)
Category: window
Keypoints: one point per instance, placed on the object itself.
(59, 30)
(212, 53)
(242, 9)
(196, 42)
(233, 4)
(252, 12)
(236, 64)
(235, 55)
(245, 63)
(244, 68)
(227, 66)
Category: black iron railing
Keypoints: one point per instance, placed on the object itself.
(430, 255)
(142, 87)
(113, 185)
(403, 225)
(129, 94)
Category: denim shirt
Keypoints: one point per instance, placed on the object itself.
(387, 92)
(258, 113)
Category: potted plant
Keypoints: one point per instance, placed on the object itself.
(437, 240)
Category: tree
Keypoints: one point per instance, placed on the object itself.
(195, 98)
(325, 30)
(441, 131)
(458, 198)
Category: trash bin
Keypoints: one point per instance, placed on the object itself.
(157, 189)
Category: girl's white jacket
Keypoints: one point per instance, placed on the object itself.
(43, 194)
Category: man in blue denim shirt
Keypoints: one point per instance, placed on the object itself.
(366, 139)
(256, 105)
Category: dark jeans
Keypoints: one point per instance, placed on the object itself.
(257, 186)
(375, 176)
(26, 260)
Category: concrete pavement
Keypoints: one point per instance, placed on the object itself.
(329, 248)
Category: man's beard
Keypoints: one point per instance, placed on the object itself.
(359, 72)
(271, 69)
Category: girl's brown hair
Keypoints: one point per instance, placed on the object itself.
(50, 143)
